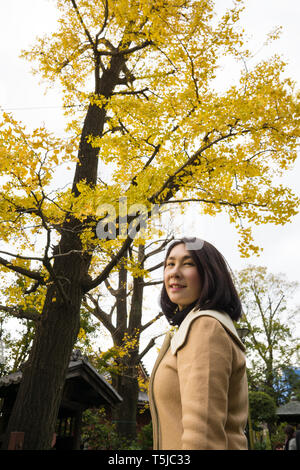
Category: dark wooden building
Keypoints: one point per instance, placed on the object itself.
(290, 412)
(84, 388)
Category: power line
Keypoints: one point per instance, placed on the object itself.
(32, 108)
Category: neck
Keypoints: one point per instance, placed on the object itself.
(184, 307)
(181, 312)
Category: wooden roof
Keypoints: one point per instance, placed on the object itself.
(83, 385)
(289, 409)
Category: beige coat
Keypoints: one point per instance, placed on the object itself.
(198, 388)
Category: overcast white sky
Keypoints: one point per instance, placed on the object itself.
(21, 21)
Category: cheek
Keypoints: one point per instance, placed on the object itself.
(194, 280)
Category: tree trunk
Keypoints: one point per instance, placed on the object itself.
(38, 399)
(39, 395)
(125, 414)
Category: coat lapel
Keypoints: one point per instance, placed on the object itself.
(162, 352)
(180, 336)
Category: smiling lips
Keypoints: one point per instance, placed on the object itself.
(176, 287)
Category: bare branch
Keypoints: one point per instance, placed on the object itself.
(278, 305)
(161, 247)
(143, 327)
(68, 253)
(151, 283)
(108, 44)
(128, 78)
(260, 153)
(192, 69)
(35, 258)
(148, 347)
(157, 266)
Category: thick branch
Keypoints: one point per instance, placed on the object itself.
(170, 183)
(213, 201)
(25, 272)
(119, 52)
(104, 22)
(137, 92)
(82, 23)
(111, 290)
(157, 147)
(20, 313)
(44, 223)
(100, 315)
(55, 279)
(104, 274)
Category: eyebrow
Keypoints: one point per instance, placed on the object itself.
(183, 258)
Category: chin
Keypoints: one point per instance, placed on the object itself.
(181, 304)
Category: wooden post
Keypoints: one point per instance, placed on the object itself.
(77, 429)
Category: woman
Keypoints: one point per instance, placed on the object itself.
(198, 389)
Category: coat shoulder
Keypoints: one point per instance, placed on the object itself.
(207, 321)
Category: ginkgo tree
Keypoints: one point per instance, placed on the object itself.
(145, 121)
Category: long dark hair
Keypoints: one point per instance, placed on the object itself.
(217, 288)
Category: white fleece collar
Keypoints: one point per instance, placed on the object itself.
(180, 335)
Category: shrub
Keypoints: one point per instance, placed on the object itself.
(98, 433)
(145, 437)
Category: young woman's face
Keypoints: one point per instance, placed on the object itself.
(181, 277)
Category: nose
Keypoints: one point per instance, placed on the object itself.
(174, 272)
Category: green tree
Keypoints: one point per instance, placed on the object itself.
(262, 410)
(273, 348)
(262, 407)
